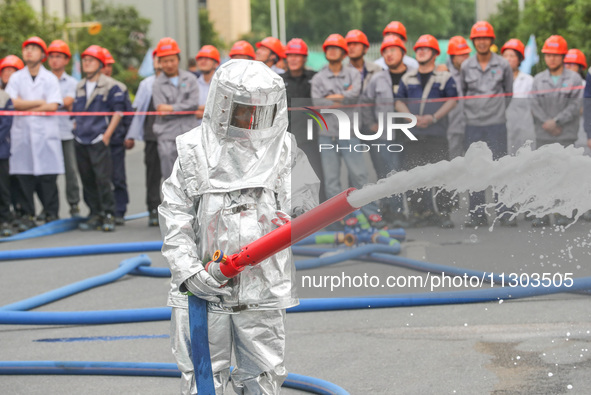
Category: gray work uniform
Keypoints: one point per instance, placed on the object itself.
(496, 78)
(564, 106)
(184, 97)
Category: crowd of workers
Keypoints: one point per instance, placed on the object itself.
(483, 97)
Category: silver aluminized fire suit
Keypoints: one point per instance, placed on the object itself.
(233, 173)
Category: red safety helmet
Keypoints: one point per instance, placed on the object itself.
(296, 46)
(357, 36)
(242, 48)
(167, 46)
(11, 61)
(59, 46)
(482, 29)
(209, 51)
(396, 28)
(37, 41)
(555, 45)
(96, 52)
(335, 40)
(392, 41)
(274, 45)
(576, 56)
(458, 45)
(427, 41)
(516, 45)
(108, 57)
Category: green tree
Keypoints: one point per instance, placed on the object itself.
(314, 20)
(19, 22)
(208, 35)
(123, 33)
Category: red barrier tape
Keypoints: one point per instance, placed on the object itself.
(132, 113)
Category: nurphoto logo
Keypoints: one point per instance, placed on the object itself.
(344, 133)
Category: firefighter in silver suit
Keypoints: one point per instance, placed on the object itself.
(234, 174)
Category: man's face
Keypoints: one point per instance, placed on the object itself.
(393, 56)
(511, 57)
(296, 62)
(553, 61)
(334, 54)
(170, 64)
(6, 73)
(107, 70)
(424, 55)
(33, 54)
(356, 50)
(206, 65)
(90, 64)
(457, 60)
(573, 67)
(482, 45)
(57, 61)
(263, 54)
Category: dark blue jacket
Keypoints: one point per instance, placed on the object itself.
(118, 136)
(106, 97)
(442, 86)
(5, 125)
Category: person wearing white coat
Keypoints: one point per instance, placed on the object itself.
(36, 153)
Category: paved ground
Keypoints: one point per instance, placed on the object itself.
(529, 346)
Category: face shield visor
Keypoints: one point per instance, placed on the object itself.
(252, 117)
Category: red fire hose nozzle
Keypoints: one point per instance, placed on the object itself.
(223, 267)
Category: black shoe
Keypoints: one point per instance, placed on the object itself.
(153, 219)
(108, 223)
(25, 223)
(42, 216)
(119, 221)
(51, 217)
(561, 220)
(94, 222)
(540, 222)
(398, 220)
(6, 230)
(74, 211)
(445, 221)
(508, 221)
(475, 221)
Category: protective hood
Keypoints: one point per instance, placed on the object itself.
(243, 136)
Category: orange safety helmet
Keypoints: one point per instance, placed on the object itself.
(11, 61)
(396, 28)
(167, 46)
(242, 48)
(357, 36)
(296, 46)
(516, 45)
(335, 40)
(209, 51)
(576, 56)
(274, 45)
(392, 41)
(59, 46)
(427, 41)
(37, 41)
(555, 45)
(108, 57)
(482, 29)
(458, 45)
(96, 52)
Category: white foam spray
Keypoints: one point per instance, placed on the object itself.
(551, 179)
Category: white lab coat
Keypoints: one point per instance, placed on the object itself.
(36, 146)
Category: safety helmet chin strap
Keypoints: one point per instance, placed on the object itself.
(90, 76)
